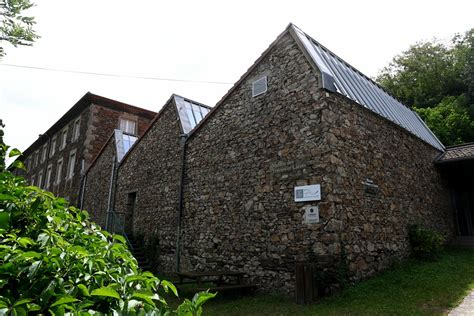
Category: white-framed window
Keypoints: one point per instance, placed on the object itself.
(49, 171)
(35, 159)
(40, 178)
(64, 138)
(128, 126)
(59, 171)
(44, 152)
(53, 146)
(33, 179)
(76, 131)
(71, 164)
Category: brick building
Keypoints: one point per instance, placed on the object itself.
(304, 159)
(57, 159)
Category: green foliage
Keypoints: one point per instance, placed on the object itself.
(425, 243)
(450, 120)
(16, 28)
(432, 74)
(53, 260)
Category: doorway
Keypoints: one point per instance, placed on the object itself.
(130, 209)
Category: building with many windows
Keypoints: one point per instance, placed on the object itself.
(57, 159)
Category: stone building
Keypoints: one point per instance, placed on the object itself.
(57, 159)
(304, 159)
(153, 167)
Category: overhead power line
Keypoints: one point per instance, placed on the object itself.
(114, 75)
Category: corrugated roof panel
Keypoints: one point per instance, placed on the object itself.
(339, 76)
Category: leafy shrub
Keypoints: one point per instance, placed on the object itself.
(53, 260)
(425, 243)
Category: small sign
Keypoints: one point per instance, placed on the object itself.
(311, 214)
(308, 193)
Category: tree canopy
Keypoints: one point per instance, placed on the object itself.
(15, 28)
(437, 80)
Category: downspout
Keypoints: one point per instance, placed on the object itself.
(48, 149)
(83, 189)
(183, 139)
(110, 198)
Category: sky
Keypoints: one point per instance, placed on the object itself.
(207, 41)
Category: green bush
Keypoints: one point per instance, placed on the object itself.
(54, 260)
(425, 243)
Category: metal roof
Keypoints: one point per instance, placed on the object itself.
(338, 76)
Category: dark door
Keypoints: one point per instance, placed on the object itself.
(130, 209)
(464, 207)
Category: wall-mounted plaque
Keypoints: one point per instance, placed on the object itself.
(308, 193)
(311, 214)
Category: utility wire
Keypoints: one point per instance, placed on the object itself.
(114, 75)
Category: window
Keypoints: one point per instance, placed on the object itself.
(76, 129)
(71, 163)
(40, 179)
(27, 164)
(53, 146)
(48, 176)
(35, 157)
(64, 138)
(128, 127)
(33, 178)
(44, 152)
(59, 170)
(128, 141)
(259, 86)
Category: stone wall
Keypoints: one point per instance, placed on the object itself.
(96, 193)
(152, 169)
(242, 166)
(373, 227)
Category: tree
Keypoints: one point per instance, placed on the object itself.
(433, 74)
(449, 120)
(15, 28)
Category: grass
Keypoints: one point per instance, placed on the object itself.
(411, 288)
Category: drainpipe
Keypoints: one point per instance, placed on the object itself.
(45, 163)
(183, 139)
(83, 189)
(110, 199)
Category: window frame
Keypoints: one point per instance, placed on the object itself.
(64, 137)
(44, 152)
(40, 178)
(59, 171)
(70, 172)
(76, 129)
(128, 122)
(49, 173)
(52, 151)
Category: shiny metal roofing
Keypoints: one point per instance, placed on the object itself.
(190, 113)
(340, 77)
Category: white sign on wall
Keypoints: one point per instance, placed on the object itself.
(311, 214)
(308, 193)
